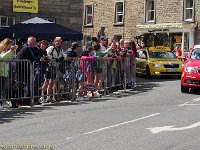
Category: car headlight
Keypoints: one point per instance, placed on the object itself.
(157, 65)
(189, 70)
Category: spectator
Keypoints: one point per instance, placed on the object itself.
(28, 52)
(87, 68)
(6, 54)
(178, 51)
(103, 43)
(43, 66)
(98, 67)
(121, 43)
(89, 43)
(72, 52)
(86, 64)
(113, 66)
(101, 33)
(56, 55)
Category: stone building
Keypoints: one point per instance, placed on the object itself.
(127, 18)
(67, 13)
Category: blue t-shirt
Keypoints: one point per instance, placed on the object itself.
(71, 53)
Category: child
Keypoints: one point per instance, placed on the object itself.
(86, 67)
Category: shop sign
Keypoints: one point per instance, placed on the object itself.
(30, 6)
(178, 39)
(165, 26)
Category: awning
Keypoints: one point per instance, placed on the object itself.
(41, 29)
(167, 26)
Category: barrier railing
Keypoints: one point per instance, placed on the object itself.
(23, 81)
(16, 81)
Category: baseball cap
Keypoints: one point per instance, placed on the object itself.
(75, 45)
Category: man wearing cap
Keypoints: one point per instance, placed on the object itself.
(72, 52)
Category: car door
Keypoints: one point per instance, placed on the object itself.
(141, 61)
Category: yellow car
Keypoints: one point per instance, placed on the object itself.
(157, 61)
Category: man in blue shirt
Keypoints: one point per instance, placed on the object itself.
(72, 51)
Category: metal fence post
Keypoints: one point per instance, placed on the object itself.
(31, 83)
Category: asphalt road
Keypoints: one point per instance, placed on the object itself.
(154, 116)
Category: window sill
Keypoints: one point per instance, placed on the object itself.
(88, 26)
(151, 21)
(188, 20)
(118, 24)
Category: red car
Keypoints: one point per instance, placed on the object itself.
(191, 71)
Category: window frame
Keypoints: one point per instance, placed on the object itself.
(86, 24)
(7, 17)
(149, 11)
(185, 11)
(116, 22)
(118, 37)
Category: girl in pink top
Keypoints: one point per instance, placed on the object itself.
(86, 67)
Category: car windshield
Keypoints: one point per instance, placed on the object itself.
(195, 54)
(169, 55)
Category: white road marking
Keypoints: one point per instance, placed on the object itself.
(123, 123)
(196, 99)
(171, 128)
(184, 104)
(116, 125)
(187, 103)
(68, 138)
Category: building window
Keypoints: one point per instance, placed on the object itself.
(119, 13)
(88, 15)
(150, 11)
(117, 37)
(50, 19)
(6, 21)
(188, 10)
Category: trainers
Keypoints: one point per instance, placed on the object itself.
(42, 100)
(6, 105)
(48, 100)
(96, 95)
(53, 100)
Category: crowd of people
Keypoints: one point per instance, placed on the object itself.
(91, 65)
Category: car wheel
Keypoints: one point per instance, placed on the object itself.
(148, 73)
(184, 89)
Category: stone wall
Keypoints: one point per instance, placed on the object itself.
(66, 12)
(167, 11)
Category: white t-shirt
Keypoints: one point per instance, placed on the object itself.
(53, 54)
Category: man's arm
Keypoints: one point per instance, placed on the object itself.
(22, 54)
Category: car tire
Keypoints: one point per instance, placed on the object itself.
(184, 89)
(148, 73)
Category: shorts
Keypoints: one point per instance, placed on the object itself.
(98, 70)
(50, 73)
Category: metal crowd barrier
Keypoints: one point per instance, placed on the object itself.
(27, 82)
(16, 81)
(54, 79)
